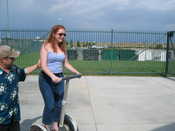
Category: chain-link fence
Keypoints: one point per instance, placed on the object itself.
(98, 52)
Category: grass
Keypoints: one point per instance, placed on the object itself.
(119, 67)
(103, 66)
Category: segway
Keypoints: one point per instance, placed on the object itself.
(66, 121)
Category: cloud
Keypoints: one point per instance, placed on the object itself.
(119, 14)
(158, 5)
(170, 27)
(100, 6)
(61, 5)
(79, 7)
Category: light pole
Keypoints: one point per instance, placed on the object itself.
(7, 11)
(7, 25)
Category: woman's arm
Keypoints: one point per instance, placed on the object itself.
(43, 59)
(70, 67)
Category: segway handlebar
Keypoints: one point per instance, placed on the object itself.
(71, 77)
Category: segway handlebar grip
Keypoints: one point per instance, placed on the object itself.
(71, 77)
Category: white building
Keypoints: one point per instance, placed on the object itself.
(151, 54)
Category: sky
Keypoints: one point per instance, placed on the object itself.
(120, 15)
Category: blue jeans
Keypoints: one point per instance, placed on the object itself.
(53, 95)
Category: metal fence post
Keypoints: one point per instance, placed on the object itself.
(112, 35)
(169, 35)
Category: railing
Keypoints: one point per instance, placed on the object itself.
(98, 52)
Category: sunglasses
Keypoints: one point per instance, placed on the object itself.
(62, 34)
(12, 58)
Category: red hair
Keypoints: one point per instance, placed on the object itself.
(51, 38)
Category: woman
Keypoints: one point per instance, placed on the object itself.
(53, 57)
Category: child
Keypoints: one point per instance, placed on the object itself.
(10, 75)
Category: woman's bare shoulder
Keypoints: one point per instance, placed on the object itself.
(47, 45)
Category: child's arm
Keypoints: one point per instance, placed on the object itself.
(32, 68)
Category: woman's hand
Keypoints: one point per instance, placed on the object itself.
(78, 73)
(56, 79)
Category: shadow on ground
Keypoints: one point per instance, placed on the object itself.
(25, 124)
(170, 127)
(171, 78)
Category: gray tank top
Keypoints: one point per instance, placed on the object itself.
(55, 62)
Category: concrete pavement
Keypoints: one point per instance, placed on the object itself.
(103, 103)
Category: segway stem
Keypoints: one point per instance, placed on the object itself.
(64, 102)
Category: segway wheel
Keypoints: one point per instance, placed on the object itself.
(37, 127)
(69, 124)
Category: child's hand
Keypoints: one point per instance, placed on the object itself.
(38, 64)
